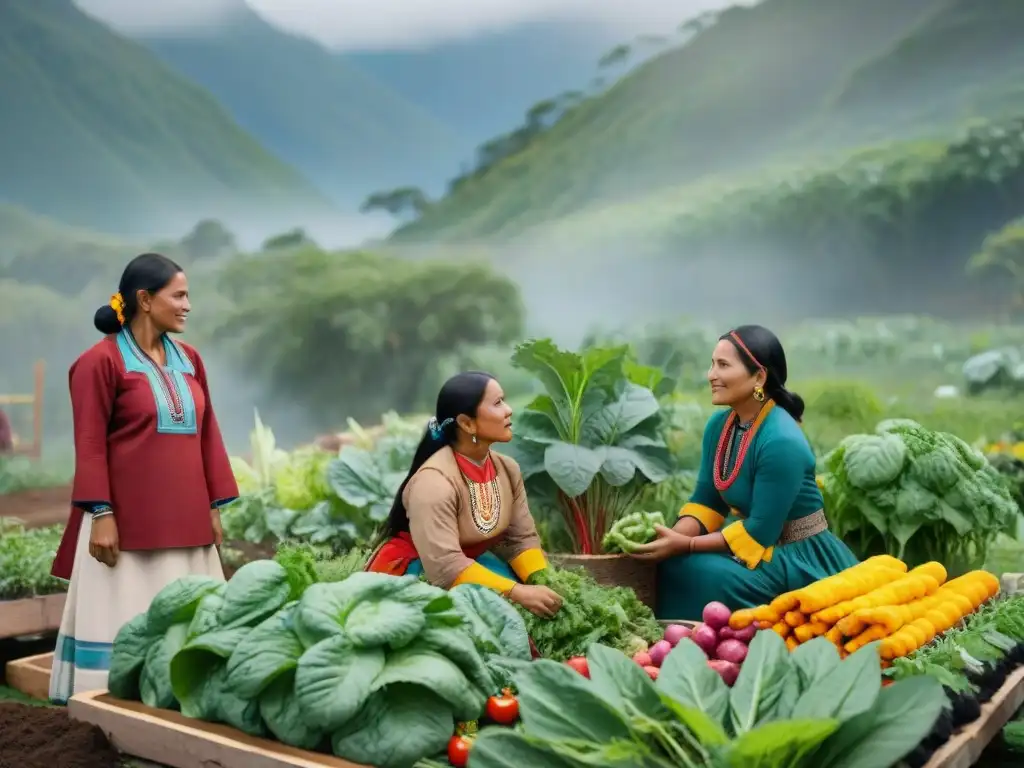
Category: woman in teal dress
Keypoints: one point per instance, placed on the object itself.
(755, 525)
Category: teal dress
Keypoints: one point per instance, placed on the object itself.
(766, 503)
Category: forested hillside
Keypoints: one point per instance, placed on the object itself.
(787, 81)
(98, 132)
(345, 130)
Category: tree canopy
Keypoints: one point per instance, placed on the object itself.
(357, 333)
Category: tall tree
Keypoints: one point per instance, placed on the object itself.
(357, 333)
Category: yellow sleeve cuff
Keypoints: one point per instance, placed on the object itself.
(711, 520)
(477, 574)
(745, 547)
(527, 563)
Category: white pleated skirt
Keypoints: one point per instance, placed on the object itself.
(102, 599)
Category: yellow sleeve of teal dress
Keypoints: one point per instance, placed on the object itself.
(778, 475)
(706, 505)
(520, 547)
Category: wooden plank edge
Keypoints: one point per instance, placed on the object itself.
(168, 738)
(31, 675)
(31, 615)
(965, 747)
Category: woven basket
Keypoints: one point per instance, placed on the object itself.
(617, 571)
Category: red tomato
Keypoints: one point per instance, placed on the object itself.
(458, 750)
(643, 658)
(886, 681)
(503, 709)
(652, 672)
(579, 663)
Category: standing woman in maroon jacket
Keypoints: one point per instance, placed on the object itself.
(151, 471)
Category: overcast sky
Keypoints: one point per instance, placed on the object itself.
(384, 24)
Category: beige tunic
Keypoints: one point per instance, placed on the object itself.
(443, 517)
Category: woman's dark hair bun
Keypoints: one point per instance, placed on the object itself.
(106, 321)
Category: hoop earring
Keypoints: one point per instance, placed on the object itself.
(759, 394)
(474, 439)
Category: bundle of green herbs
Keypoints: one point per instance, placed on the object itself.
(590, 613)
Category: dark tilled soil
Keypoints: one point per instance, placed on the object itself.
(45, 737)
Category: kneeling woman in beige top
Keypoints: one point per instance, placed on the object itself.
(461, 515)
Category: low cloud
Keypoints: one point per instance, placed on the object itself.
(396, 24)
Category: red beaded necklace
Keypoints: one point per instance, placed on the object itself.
(725, 439)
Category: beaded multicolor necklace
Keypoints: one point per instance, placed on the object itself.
(724, 451)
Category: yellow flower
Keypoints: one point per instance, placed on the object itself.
(117, 304)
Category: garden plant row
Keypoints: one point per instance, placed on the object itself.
(392, 672)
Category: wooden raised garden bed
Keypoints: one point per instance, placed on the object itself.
(170, 739)
(966, 745)
(31, 616)
(31, 675)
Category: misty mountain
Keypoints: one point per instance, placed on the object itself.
(97, 132)
(783, 81)
(345, 130)
(484, 84)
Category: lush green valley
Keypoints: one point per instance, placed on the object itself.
(346, 131)
(98, 133)
(784, 84)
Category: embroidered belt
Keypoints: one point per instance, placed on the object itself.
(803, 528)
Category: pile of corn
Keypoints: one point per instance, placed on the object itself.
(874, 600)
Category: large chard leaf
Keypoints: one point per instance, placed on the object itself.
(572, 467)
(781, 744)
(568, 377)
(556, 703)
(605, 425)
(901, 717)
(505, 748)
(814, 660)
(763, 681)
(846, 690)
(686, 677)
(592, 420)
(618, 680)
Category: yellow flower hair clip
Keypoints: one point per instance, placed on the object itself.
(117, 304)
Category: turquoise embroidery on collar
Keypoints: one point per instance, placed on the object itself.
(175, 406)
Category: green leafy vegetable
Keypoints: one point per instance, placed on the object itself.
(633, 529)
(590, 613)
(377, 668)
(917, 494)
(688, 718)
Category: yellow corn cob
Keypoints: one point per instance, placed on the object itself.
(847, 584)
(875, 632)
(835, 637)
(765, 613)
(912, 586)
(810, 630)
(742, 618)
(795, 618)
